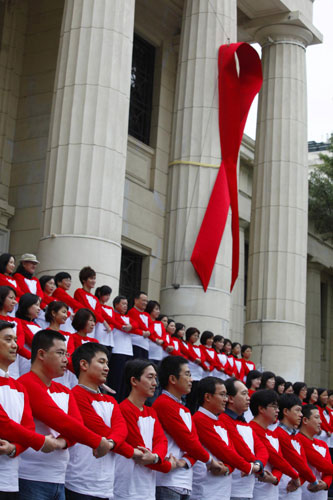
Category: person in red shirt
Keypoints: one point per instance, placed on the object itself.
(206, 341)
(55, 412)
(325, 416)
(85, 476)
(48, 286)
(63, 281)
(300, 390)
(28, 311)
(24, 275)
(7, 267)
(280, 385)
(253, 381)
(238, 362)
(84, 323)
(144, 325)
(267, 380)
(248, 365)
(264, 407)
(223, 370)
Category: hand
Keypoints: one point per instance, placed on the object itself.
(217, 468)
(146, 334)
(52, 444)
(293, 485)
(147, 458)
(268, 478)
(6, 447)
(137, 454)
(170, 348)
(221, 369)
(181, 463)
(107, 326)
(159, 342)
(103, 448)
(126, 328)
(317, 487)
(173, 461)
(197, 361)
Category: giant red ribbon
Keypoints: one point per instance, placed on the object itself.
(236, 93)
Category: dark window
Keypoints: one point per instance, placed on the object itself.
(130, 275)
(142, 77)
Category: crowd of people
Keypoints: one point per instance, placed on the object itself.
(109, 403)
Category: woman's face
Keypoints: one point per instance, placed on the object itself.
(236, 350)
(164, 321)
(171, 328)
(323, 398)
(194, 338)
(227, 347)
(105, 298)
(90, 325)
(280, 388)
(302, 392)
(50, 286)
(33, 311)
(247, 353)
(10, 266)
(314, 397)
(209, 342)
(29, 266)
(9, 302)
(219, 345)
(60, 316)
(270, 383)
(155, 312)
(290, 390)
(256, 383)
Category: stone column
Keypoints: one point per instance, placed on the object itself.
(313, 325)
(278, 233)
(195, 156)
(84, 186)
(237, 296)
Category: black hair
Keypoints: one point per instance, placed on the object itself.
(4, 292)
(63, 275)
(262, 398)
(151, 306)
(103, 290)
(27, 300)
(309, 393)
(320, 391)
(44, 279)
(227, 341)
(264, 377)
(307, 409)
(87, 352)
(135, 368)
(230, 386)
(287, 401)
(171, 365)
(54, 306)
(161, 316)
(44, 339)
(244, 347)
(4, 259)
(217, 338)
(81, 317)
(205, 336)
(191, 331)
(179, 326)
(287, 385)
(137, 294)
(170, 320)
(207, 385)
(85, 273)
(298, 386)
(253, 374)
(330, 392)
(278, 381)
(117, 299)
(6, 324)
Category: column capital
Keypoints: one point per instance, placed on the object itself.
(283, 34)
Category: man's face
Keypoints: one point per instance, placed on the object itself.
(313, 422)
(240, 402)
(294, 415)
(90, 282)
(184, 382)
(98, 368)
(147, 383)
(55, 359)
(270, 413)
(217, 401)
(8, 347)
(141, 302)
(122, 306)
(29, 266)
(65, 283)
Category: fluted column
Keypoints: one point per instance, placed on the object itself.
(195, 156)
(278, 233)
(237, 296)
(82, 213)
(313, 325)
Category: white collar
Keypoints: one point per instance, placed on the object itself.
(208, 413)
(4, 374)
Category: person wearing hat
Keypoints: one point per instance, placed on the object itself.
(24, 275)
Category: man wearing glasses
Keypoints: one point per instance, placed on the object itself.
(55, 412)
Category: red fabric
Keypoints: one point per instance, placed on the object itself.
(318, 456)
(23, 284)
(21, 349)
(10, 281)
(236, 93)
(63, 296)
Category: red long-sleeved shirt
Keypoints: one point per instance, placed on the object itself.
(294, 453)
(11, 281)
(63, 296)
(89, 301)
(215, 437)
(27, 285)
(318, 456)
(279, 464)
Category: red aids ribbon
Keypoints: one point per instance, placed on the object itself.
(236, 93)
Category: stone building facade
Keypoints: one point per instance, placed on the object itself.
(90, 175)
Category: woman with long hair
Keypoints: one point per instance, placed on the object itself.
(48, 286)
(238, 362)
(157, 338)
(196, 363)
(28, 311)
(7, 267)
(280, 384)
(267, 380)
(300, 389)
(311, 396)
(222, 371)
(253, 381)
(325, 416)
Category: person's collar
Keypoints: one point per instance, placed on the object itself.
(289, 430)
(233, 415)
(89, 389)
(4, 373)
(167, 393)
(140, 310)
(208, 413)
